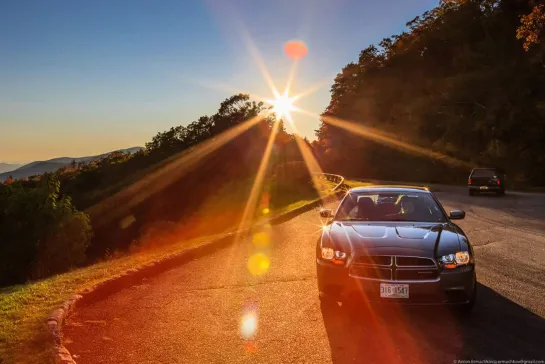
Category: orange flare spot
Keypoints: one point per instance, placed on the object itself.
(295, 49)
(250, 347)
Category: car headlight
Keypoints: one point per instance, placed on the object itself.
(455, 260)
(328, 253)
(335, 256)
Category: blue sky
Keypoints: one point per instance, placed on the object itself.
(86, 77)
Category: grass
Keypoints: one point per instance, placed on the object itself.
(24, 308)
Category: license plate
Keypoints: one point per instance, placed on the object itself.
(394, 290)
(484, 187)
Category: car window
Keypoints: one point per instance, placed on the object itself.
(490, 173)
(390, 207)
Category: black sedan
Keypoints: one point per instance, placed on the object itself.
(486, 180)
(395, 245)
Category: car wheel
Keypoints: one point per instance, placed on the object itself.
(501, 193)
(471, 193)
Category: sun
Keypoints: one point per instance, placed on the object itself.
(282, 105)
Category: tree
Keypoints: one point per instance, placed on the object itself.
(531, 26)
(456, 82)
(40, 232)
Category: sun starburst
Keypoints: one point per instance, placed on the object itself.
(282, 105)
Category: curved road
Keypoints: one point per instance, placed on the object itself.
(213, 310)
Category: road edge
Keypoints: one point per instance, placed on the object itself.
(55, 320)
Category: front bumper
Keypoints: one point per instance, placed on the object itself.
(454, 286)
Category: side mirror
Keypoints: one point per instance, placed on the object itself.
(457, 214)
(326, 213)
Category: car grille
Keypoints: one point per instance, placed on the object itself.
(414, 262)
(394, 268)
(416, 275)
(374, 260)
(372, 272)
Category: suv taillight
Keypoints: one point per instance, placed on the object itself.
(469, 181)
(499, 182)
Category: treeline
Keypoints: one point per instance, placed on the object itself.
(41, 233)
(465, 79)
(51, 223)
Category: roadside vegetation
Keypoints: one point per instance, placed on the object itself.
(464, 79)
(41, 232)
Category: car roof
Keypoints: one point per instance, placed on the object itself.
(389, 188)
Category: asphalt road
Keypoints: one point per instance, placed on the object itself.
(213, 310)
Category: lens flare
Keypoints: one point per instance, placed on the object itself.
(159, 177)
(258, 264)
(251, 204)
(389, 140)
(310, 161)
(248, 325)
(295, 49)
(250, 347)
(261, 240)
(282, 105)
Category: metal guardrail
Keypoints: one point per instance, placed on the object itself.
(333, 178)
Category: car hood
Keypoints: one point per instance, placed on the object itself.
(391, 238)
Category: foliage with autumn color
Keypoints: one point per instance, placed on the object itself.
(465, 79)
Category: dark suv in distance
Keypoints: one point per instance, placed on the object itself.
(486, 180)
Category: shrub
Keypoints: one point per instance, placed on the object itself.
(41, 233)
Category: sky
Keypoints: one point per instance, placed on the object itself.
(82, 78)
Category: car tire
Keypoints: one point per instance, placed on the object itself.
(471, 193)
(501, 193)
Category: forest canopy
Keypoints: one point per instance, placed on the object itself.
(465, 79)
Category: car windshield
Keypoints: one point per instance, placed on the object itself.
(489, 173)
(390, 206)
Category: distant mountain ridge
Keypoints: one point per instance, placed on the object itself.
(51, 165)
(6, 167)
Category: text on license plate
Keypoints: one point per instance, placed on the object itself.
(394, 290)
(484, 187)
